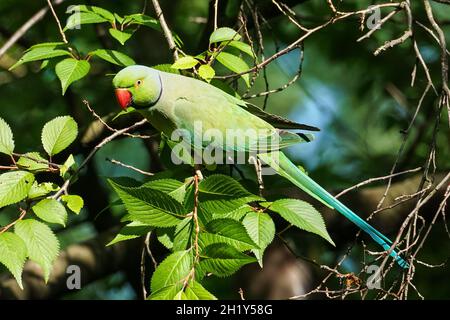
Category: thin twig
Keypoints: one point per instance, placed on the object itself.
(129, 167)
(25, 27)
(167, 33)
(61, 31)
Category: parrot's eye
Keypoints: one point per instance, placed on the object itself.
(138, 82)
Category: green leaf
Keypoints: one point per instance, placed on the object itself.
(174, 188)
(165, 236)
(149, 206)
(166, 68)
(227, 231)
(32, 161)
(130, 231)
(38, 190)
(223, 34)
(235, 64)
(236, 214)
(261, 229)
(14, 186)
(174, 269)
(73, 202)
(51, 211)
(78, 18)
(302, 215)
(6, 138)
(58, 134)
(42, 52)
(46, 44)
(121, 36)
(186, 62)
(13, 253)
(221, 194)
(97, 10)
(223, 260)
(183, 235)
(118, 18)
(70, 70)
(142, 19)
(114, 57)
(206, 72)
(166, 293)
(69, 163)
(41, 242)
(242, 46)
(195, 291)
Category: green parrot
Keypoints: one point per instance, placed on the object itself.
(172, 103)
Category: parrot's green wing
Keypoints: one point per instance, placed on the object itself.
(275, 120)
(223, 118)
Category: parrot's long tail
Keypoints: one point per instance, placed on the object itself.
(284, 167)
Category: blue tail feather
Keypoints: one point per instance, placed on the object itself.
(287, 169)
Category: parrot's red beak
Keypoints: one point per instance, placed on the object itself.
(123, 98)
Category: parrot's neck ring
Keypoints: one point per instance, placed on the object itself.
(160, 92)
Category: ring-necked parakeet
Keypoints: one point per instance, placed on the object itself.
(173, 102)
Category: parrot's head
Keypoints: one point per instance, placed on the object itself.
(139, 86)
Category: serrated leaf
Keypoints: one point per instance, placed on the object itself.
(13, 253)
(174, 188)
(224, 34)
(149, 206)
(114, 57)
(42, 244)
(223, 260)
(166, 293)
(97, 10)
(205, 71)
(165, 236)
(142, 19)
(32, 161)
(41, 189)
(186, 62)
(70, 70)
(67, 165)
(58, 134)
(73, 202)
(261, 229)
(14, 186)
(6, 138)
(130, 231)
(302, 215)
(235, 64)
(42, 52)
(183, 234)
(78, 18)
(236, 214)
(195, 291)
(221, 194)
(121, 36)
(227, 231)
(51, 211)
(166, 68)
(242, 46)
(173, 270)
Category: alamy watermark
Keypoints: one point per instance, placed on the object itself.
(74, 20)
(373, 20)
(374, 280)
(73, 281)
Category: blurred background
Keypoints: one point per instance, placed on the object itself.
(362, 103)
